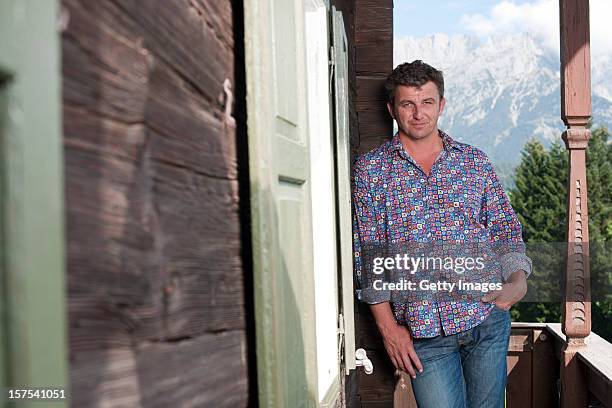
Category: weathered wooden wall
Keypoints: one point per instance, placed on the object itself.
(373, 63)
(370, 35)
(156, 296)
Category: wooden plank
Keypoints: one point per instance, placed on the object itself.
(182, 36)
(96, 58)
(206, 371)
(369, 57)
(175, 374)
(556, 331)
(373, 18)
(190, 136)
(155, 272)
(181, 153)
(379, 386)
(371, 25)
(575, 112)
(374, 3)
(521, 340)
(545, 370)
(403, 396)
(170, 272)
(351, 388)
(377, 404)
(600, 387)
(368, 334)
(373, 37)
(597, 359)
(374, 120)
(376, 135)
(110, 376)
(529, 325)
(100, 53)
(575, 62)
(373, 58)
(370, 90)
(519, 386)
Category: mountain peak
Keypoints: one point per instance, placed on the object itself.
(502, 90)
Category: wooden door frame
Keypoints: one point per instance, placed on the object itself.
(266, 244)
(32, 264)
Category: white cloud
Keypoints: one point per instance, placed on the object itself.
(541, 18)
(601, 29)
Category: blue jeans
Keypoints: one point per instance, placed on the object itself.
(466, 369)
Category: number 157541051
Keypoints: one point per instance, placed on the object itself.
(38, 393)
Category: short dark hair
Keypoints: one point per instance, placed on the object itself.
(415, 73)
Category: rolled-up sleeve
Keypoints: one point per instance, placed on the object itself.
(365, 231)
(505, 230)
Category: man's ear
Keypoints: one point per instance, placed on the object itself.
(442, 104)
(390, 109)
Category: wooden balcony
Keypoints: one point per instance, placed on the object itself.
(534, 362)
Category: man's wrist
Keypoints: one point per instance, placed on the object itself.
(384, 318)
(518, 276)
(386, 326)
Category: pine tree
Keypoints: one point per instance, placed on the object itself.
(540, 181)
(539, 198)
(599, 183)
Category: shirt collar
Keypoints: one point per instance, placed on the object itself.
(447, 141)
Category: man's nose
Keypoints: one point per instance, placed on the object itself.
(418, 112)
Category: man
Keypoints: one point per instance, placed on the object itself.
(423, 186)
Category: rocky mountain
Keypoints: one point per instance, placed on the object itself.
(503, 90)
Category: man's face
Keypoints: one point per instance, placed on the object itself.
(417, 110)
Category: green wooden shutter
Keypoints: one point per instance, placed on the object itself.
(343, 193)
(280, 203)
(32, 222)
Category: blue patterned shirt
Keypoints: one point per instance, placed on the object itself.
(461, 200)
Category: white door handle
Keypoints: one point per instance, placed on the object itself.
(362, 360)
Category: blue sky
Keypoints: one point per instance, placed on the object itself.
(417, 18)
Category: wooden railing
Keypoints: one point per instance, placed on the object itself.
(533, 367)
(594, 361)
(534, 361)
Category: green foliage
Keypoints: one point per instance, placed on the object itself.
(539, 195)
(540, 199)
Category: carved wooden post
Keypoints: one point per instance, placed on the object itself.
(403, 396)
(576, 112)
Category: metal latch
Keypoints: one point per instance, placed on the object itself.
(362, 360)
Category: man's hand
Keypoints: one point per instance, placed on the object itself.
(511, 292)
(400, 349)
(397, 340)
